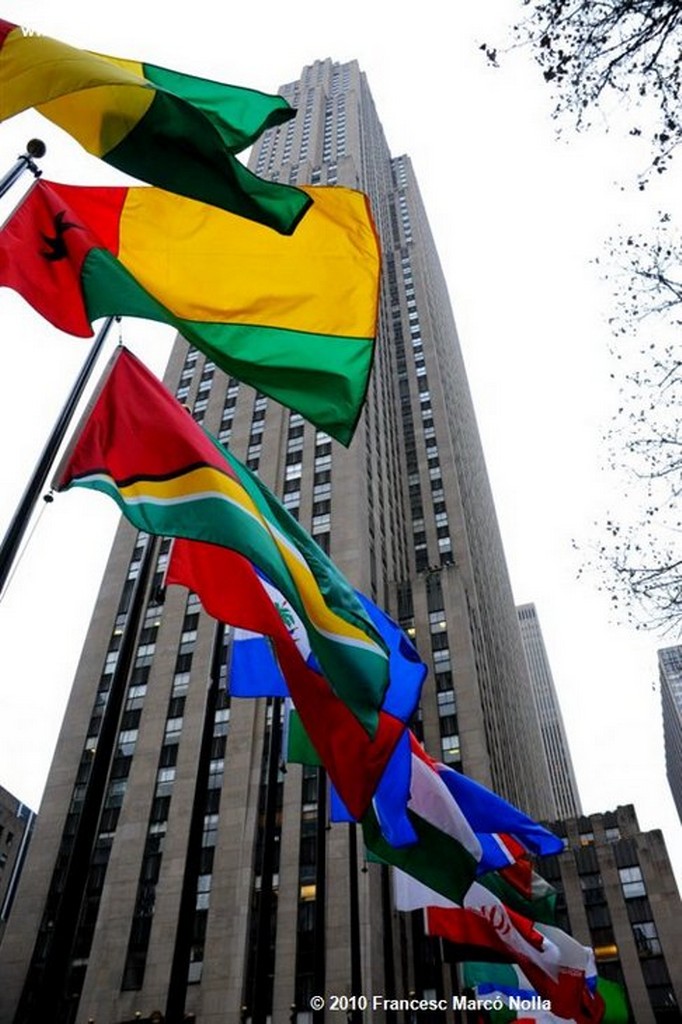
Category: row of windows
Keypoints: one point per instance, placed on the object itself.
(140, 932)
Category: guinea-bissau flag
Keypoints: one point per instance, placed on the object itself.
(137, 444)
(173, 130)
(293, 316)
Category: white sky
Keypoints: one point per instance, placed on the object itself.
(517, 217)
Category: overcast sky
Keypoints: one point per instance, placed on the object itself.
(518, 218)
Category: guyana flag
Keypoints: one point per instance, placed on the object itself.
(293, 316)
(233, 591)
(141, 447)
(172, 130)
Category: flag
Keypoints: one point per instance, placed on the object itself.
(390, 801)
(295, 317)
(173, 130)
(524, 891)
(488, 815)
(233, 591)
(140, 446)
(616, 1009)
(446, 852)
(508, 984)
(254, 671)
(557, 966)
(507, 988)
(487, 978)
(491, 814)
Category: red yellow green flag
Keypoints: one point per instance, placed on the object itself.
(293, 316)
(173, 130)
(169, 477)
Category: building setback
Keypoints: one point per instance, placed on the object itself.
(564, 786)
(617, 893)
(670, 675)
(175, 866)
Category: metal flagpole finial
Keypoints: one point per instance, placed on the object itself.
(36, 148)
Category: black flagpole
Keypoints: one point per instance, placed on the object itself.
(22, 516)
(355, 1016)
(35, 149)
(262, 990)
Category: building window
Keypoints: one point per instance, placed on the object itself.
(446, 703)
(437, 622)
(451, 749)
(659, 988)
(632, 882)
(646, 938)
(441, 660)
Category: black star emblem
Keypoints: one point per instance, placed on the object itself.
(57, 245)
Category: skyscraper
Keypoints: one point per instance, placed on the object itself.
(670, 675)
(175, 865)
(564, 786)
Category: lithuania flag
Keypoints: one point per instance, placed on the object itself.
(142, 448)
(293, 316)
(170, 129)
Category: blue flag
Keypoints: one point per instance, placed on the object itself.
(487, 813)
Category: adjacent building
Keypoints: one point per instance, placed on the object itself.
(617, 893)
(564, 785)
(16, 829)
(176, 866)
(670, 675)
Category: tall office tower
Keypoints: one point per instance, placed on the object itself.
(670, 674)
(617, 893)
(175, 867)
(16, 828)
(564, 786)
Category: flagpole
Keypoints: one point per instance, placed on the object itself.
(389, 953)
(35, 149)
(319, 954)
(356, 1015)
(20, 520)
(260, 1009)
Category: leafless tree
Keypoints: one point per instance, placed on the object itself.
(641, 551)
(592, 52)
(596, 56)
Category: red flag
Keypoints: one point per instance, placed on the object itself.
(230, 590)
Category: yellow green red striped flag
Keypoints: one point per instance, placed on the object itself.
(176, 131)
